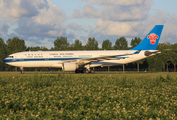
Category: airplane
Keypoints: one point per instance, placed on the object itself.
(83, 61)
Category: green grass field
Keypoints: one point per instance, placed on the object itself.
(48, 95)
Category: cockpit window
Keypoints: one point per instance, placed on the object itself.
(11, 57)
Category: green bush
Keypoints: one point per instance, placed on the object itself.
(66, 96)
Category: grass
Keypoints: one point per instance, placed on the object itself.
(88, 96)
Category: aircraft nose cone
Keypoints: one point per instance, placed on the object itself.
(5, 60)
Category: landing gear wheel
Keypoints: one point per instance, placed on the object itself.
(77, 71)
(92, 71)
(22, 71)
(82, 71)
(86, 71)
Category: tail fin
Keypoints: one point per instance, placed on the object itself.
(151, 41)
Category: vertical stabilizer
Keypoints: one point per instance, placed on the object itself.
(151, 41)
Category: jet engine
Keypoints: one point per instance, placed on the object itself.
(70, 66)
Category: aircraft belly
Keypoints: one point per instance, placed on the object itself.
(33, 64)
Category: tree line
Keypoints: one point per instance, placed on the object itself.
(155, 63)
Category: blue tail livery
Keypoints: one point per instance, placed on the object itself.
(151, 41)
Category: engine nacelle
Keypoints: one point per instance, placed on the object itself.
(70, 66)
(147, 53)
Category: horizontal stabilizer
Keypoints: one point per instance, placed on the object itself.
(137, 52)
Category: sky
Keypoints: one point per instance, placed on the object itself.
(40, 22)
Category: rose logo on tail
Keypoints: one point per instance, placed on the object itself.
(152, 38)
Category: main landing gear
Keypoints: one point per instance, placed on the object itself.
(84, 71)
(22, 70)
(79, 71)
(89, 71)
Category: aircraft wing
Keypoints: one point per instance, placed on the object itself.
(96, 59)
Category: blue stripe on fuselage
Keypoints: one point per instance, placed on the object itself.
(36, 59)
(10, 60)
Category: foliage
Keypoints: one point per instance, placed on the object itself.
(15, 45)
(91, 44)
(88, 97)
(121, 44)
(107, 45)
(3, 54)
(61, 43)
(155, 64)
(165, 54)
(135, 42)
(77, 45)
(37, 48)
(173, 56)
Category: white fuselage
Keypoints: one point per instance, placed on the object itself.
(56, 58)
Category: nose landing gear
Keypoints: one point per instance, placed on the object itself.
(22, 70)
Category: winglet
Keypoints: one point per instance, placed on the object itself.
(151, 41)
